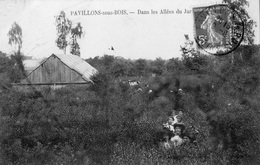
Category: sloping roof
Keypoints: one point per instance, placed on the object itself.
(73, 62)
(78, 64)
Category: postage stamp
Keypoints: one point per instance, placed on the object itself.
(218, 29)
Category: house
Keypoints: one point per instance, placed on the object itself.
(60, 69)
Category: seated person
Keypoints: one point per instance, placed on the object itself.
(177, 118)
(168, 127)
(169, 124)
(177, 139)
(180, 128)
(191, 134)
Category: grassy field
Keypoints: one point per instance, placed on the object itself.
(110, 122)
(80, 125)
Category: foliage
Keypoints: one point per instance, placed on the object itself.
(239, 6)
(119, 69)
(193, 61)
(131, 68)
(76, 33)
(11, 70)
(5, 71)
(141, 66)
(158, 66)
(63, 26)
(15, 36)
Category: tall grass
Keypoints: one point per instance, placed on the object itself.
(79, 125)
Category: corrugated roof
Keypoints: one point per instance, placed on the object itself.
(78, 64)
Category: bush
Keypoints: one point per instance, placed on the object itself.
(110, 123)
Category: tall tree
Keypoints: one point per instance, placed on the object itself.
(75, 34)
(63, 26)
(239, 6)
(15, 36)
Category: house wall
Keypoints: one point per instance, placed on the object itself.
(41, 87)
(53, 71)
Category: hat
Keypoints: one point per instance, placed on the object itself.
(181, 125)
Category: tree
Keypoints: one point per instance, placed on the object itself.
(239, 6)
(15, 38)
(75, 34)
(174, 65)
(63, 26)
(141, 66)
(158, 66)
(107, 61)
(119, 69)
(131, 69)
(191, 58)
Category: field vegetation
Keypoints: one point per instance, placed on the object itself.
(110, 122)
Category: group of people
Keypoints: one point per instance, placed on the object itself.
(175, 131)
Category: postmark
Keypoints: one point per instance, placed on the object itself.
(218, 29)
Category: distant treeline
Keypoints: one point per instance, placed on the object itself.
(12, 72)
(187, 64)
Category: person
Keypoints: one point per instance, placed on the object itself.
(169, 124)
(179, 128)
(174, 128)
(168, 127)
(177, 118)
(166, 142)
(177, 139)
(191, 134)
(209, 25)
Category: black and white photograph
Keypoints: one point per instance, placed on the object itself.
(129, 82)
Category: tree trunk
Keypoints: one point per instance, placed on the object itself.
(232, 58)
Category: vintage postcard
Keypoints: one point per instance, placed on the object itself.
(115, 82)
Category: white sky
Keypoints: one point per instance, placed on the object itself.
(132, 36)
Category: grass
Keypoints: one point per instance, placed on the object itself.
(74, 128)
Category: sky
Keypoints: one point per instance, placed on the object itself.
(133, 35)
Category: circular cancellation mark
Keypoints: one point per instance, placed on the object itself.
(219, 29)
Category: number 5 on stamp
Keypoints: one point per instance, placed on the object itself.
(218, 29)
